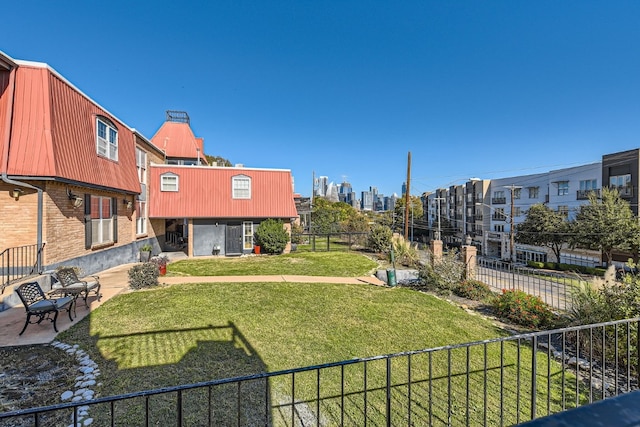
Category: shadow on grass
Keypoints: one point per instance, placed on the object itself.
(150, 360)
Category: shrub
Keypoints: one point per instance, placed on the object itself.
(143, 275)
(379, 238)
(271, 236)
(445, 274)
(159, 260)
(473, 289)
(296, 233)
(550, 265)
(405, 252)
(522, 309)
(535, 264)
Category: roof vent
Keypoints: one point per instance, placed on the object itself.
(177, 116)
(239, 165)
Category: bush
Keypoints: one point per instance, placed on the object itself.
(523, 309)
(271, 236)
(444, 275)
(405, 252)
(550, 265)
(535, 264)
(379, 238)
(143, 275)
(296, 233)
(473, 289)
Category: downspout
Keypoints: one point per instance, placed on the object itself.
(5, 165)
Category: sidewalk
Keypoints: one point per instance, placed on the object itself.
(115, 281)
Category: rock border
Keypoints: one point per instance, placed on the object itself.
(83, 389)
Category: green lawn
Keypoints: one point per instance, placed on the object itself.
(198, 332)
(339, 264)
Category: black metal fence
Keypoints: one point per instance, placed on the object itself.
(20, 262)
(500, 381)
(316, 242)
(555, 289)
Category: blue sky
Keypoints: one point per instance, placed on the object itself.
(347, 88)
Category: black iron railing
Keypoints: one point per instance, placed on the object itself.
(501, 381)
(19, 263)
(554, 289)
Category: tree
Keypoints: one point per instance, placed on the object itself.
(217, 160)
(606, 224)
(544, 227)
(333, 217)
(416, 211)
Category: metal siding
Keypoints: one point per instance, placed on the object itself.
(205, 192)
(177, 140)
(54, 135)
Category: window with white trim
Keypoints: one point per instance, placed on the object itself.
(101, 220)
(533, 192)
(563, 210)
(241, 187)
(141, 165)
(106, 138)
(247, 238)
(517, 192)
(620, 181)
(169, 182)
(588, 184)
(563, 188)
(141, 217)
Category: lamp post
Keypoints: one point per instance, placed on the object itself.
(437, 199)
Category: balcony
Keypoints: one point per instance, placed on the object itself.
(498, 200)
(499, 217)
(584, 194)
(625, 191)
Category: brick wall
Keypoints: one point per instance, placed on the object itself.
(18, 224)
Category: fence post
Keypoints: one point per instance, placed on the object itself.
(534, 373)
(388, 402)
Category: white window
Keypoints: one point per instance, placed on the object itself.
(533, 192)
(101, 220)
(107, 139)
(141, 164)
(563, 210)
(141, 217)
(247, 231)
(517, 211)
(589, 184)
(169, 182)
(498, 228)
(241, 185)
(517, 192)
(563, 188)
(620, 181)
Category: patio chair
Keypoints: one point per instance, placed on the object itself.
(37, 304)
(68, 281)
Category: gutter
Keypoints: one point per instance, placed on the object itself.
(5, 165)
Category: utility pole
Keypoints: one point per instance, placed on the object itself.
(512, 254)
(407, 198)
(438, 236)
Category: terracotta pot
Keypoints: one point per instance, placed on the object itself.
(162, 269)
(256, 250)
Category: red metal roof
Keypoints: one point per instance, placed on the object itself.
(53, 133)
(176, 139)
(205, 192)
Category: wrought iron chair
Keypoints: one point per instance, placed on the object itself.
(37, 304)
(69, 281)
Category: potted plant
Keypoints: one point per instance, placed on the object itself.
(145, 252)
(161, 261)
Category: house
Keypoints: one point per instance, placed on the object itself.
(212, 210)
(71, 172)
(80, 187)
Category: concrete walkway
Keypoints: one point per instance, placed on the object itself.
(115, 281)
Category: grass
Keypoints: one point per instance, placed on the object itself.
(198, 332)
(339, 264)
